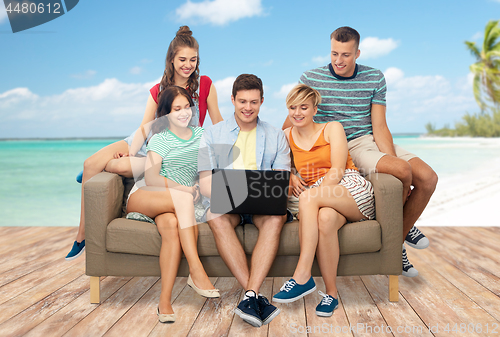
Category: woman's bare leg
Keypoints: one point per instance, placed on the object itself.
(310, 202)
(92, 166)
(152, 201)
(327, 254)
(170, 258)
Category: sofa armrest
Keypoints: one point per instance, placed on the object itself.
(389, 214)
(103, 196)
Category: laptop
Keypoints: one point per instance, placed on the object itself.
(249, 192)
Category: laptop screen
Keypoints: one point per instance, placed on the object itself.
(249, 192)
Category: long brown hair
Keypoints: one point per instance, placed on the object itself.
(183, 38)
(165, 102)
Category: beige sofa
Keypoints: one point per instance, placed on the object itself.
(116, 246)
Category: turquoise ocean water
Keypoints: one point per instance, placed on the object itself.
(38, 186)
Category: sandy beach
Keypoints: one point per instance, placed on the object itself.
(467, 199)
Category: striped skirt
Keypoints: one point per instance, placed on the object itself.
(360, 189)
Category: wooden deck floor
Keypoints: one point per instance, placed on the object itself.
(456, 294)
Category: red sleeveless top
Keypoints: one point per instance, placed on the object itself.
(205, 83)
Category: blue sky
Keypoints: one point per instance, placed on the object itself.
(88, 72)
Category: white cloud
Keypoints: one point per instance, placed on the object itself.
(393, 75)
(3, 14)
(224, 88)
(111, 108)
(321, 59)
(478, 35)
(373, 47)
(414, 101)
(285, 89)
(135, 70)
(219, 12)
(85, 75)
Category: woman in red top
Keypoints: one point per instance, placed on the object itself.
(127, 156)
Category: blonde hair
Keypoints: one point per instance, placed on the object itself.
(301, 93)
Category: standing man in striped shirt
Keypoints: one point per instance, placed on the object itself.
(354, 95)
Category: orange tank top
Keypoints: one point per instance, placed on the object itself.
(315, 163)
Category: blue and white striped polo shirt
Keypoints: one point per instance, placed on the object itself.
(347, 100)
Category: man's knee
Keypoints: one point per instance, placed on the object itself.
(427, 180)
(402, 171)
(271, 225)
(220, 223)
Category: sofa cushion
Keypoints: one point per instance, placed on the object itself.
(137, 237)
(354, 238)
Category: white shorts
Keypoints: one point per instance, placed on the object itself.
(365, 154)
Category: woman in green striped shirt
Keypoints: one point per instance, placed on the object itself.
(170, 193)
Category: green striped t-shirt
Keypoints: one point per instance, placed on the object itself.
(180, 157)
(347, 100)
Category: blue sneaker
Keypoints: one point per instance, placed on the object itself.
(77, 250)
(248, 310)
(79, 177)
(267, 310)
(292, 291)
(416, 239)
(327, 305)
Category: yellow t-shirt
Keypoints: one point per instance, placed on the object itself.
(245, 158)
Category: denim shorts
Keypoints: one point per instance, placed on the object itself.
(248, 218)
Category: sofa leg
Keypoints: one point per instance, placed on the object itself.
(393, 288)
(95, 291)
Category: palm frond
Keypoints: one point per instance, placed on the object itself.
(489, 33)
(473, 49)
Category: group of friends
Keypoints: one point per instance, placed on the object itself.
(337, 132)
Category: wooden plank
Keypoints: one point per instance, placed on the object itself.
(21, 254)
(481, 295)
(478, 241)
(141, 318)
(38, 312)
(186, 306)
(463, 260)
(19, 303)
(217, 314)
(292, 317)
(466, 310)
(35, 236)
(30, 280)
(42, 261)
(7, 230)
(15, 236)
(361, 311)
(111, 310)
(433, 310)
(66, 318)
(399, 316)
(335, 325)
(481, 234)
(240, 327)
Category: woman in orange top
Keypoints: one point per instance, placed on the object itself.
(331, 192)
